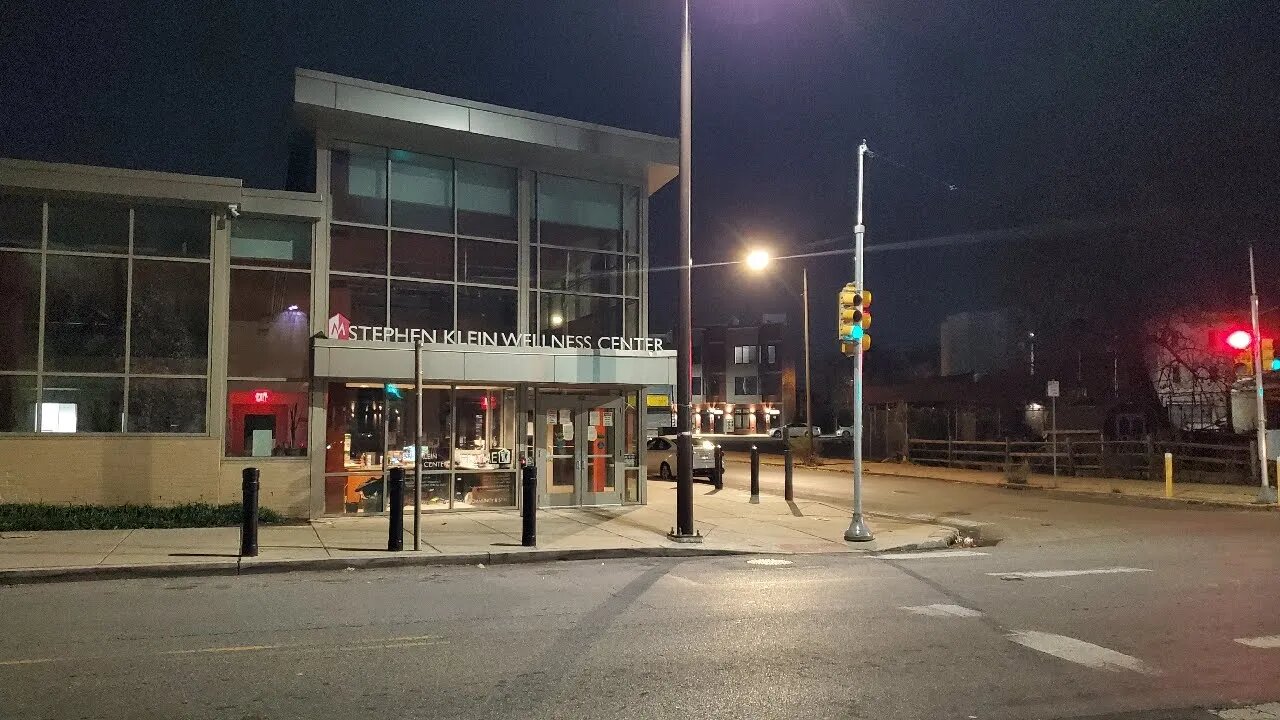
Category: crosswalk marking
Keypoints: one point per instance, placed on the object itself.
(928, 555)
(942, 610)
(1266, 641)
(1068, 573)
(1079, 651)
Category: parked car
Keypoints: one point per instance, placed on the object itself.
(660, 458)
(797, 430)
(845, 431)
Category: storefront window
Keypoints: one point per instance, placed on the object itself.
(486, 309)
(18, 395)
(485, 443)
(269, 325)
(358, 183)
(20, 310)
(421, 192)
(171, 231)
(169, 333)
(81, 404)
(21, 218)
(266, 419)
(362, 300)
(358, 249)
(166, 405)
(88, 226)
(272, 243)
(486, 201)
(418, 255)
(85, 313)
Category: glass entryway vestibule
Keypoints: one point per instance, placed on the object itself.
(586, 448)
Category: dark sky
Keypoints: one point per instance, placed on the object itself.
(1112, 116)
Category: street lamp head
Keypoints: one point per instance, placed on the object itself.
(758, 259)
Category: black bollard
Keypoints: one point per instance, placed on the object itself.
(755, 475)
(719, 470)
(249, 512)
(788, 467)
(395, 528)
(529, 506)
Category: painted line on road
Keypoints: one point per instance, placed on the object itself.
(1264, 642)
(1080, 652)
(941, 610)
(1067, 573)
(230, 649)
(31, 661)
(929, 555)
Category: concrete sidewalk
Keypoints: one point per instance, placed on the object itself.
(1144, 491)
(725, 518)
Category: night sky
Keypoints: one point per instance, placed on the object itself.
(1145, 128)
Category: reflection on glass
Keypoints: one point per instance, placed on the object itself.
(18, 403)
(576, 271)
(88, 226)
(20, 310)
(276, 243)
(20, 219)
(484, 489)
(171, 231)
(418, 255)
(170, 318)
(489, 263)
(362, 300)
(421, 191)
(84, 313)
(269, 326)
(486, 309)
(358, 249)
(424, 305)
(358, 183)
(486, 200)
(166, 405)
(593, 316)
(579, 213)
(81, 404)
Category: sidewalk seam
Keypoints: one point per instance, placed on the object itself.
(116, 546)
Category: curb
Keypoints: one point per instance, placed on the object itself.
(939, 539)
(1110, 497)
(252, 566)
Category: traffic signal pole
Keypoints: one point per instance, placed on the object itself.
(1266, 493)
(858, 530)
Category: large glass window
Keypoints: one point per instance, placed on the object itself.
(574, 271)
(169, 333)
(421, 192)
(85, 301)
(21, 218)
(20, 309)
(269, 324)
(486, 201)
(171, 231)
(266, 419)
(126, 335)
(588, 315)
(358, 249)
(486, 309)
(358, 183)
(489, 263)
(419, 255)
(275, 243)
(363, 300)
(424, 305)
(579, 213)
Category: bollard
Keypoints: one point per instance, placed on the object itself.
(395, 528)
(529, 506)
(719, 469)
(788, 467)
(755, 475)
(1168, 475)
(249, 513)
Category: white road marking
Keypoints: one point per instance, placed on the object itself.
(1266, 641)
(1079, 651)
(928, 555)
(941, 610)
(769, 562)
(1068, 573)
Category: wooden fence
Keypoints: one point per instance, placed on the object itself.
(1092, 455)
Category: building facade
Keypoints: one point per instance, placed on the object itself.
(743, 378)
(487, 263)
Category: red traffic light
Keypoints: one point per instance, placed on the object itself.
(1240, 340)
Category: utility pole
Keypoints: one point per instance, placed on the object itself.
(808, 379)
(683, 530)
(858, 530)
(1266, 494)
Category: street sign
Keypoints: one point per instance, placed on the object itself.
(1053, 390)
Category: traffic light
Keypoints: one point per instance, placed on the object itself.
(1269, 360)
(854, 319)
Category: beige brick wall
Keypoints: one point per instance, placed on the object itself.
(112, 470)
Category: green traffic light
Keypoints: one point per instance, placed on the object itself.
(856, 335)
(1275, 365)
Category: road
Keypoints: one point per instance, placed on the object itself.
(1133, 613)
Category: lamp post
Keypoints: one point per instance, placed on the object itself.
(683, 530)
(1266, 493)
(858, 530)
(757, 260)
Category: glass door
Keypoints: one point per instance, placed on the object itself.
(598, 438)
(560, 450)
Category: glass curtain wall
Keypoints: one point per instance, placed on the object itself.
(107, 312)
(587, 258)
(419, 241)
(467, 453)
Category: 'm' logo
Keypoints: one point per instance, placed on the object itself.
(339, 327)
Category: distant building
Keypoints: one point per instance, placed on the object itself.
(976, 342)
(743, 377)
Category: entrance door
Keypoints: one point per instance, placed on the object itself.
(580, 440)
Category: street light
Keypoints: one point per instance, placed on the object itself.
(757, 260)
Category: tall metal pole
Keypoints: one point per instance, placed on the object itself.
(808, 392)
(1266, 493)
(417, 446)
(684, 340)
(858, 530)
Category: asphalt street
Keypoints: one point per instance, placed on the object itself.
(1143, 613)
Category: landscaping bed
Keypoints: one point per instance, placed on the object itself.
(41, 516)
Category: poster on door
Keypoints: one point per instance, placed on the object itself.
(608, 418)
(552, 417)
(593, 418)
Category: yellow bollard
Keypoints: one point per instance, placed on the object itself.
(1168, 475)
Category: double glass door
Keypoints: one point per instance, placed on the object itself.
(579, 444)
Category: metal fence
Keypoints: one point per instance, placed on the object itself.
(1093, 455)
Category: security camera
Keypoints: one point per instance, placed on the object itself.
(234, 209)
